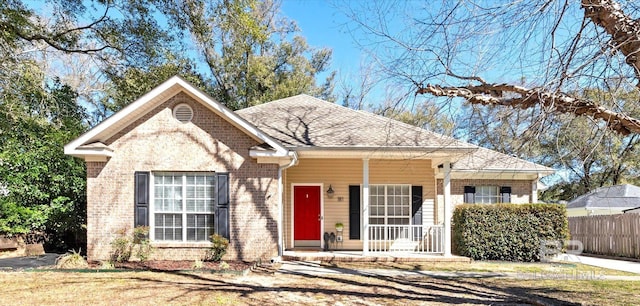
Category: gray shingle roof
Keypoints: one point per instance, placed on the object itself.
(305, 121)
(485, 159)
(619, 196)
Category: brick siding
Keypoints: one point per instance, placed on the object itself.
(158, 142)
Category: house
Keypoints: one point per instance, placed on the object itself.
(280, 175)
(605, 201)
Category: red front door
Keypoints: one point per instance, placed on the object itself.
(306, 212)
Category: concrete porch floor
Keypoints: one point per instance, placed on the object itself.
(356, 256)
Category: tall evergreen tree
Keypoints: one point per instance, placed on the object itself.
(253, 55)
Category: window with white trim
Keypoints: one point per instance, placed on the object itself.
(390, 204)
(487, 195)
(183, 206)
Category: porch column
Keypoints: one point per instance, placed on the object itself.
(446, 184)
(534, 191)
(365, 206)
(280, 214)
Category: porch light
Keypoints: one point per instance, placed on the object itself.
(330, 190)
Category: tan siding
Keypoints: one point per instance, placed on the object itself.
(520, 189)
(520, 192)
(340, 173)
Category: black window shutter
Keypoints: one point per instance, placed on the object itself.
(416, 210)
(469, 194)
(505, 194)
(354, 212)
(222, 205)
(416, 205)
(141, 195)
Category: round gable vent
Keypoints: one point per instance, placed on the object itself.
(183, 112)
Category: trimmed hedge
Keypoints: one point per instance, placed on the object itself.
(510, 232)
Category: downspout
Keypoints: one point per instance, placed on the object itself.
(294, 161)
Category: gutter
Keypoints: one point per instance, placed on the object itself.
(294, 161)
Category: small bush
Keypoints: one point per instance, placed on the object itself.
(107, 265)
(71, 260)
(511, 232)
(224, 265)
(123, 247)
(197, 264)
(141, 243)
(219, 248)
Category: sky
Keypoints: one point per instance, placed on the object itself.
(322, 24)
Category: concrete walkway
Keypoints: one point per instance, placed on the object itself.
(614, 264)
(314, 268)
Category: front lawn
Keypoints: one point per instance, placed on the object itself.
(137, 288)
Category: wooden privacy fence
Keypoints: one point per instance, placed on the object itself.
(615, 235)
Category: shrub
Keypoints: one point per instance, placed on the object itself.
(511, 232)
(107, 265)
(141, 243)
(71, 260)
(218, 249)
(138, 245)
(121, 248)
(224, 265)
(197, 264)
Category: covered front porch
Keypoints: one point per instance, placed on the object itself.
(387, 206)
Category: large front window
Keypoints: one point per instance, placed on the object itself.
(183, 206)
(390, 204)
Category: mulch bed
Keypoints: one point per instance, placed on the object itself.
(181, 265)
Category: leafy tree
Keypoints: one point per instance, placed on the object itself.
(43, 190)
(134, 82)
(84, 43)
(426, 115)
(110, 30)
(249, 52)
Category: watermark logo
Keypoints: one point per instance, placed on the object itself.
(563, 275)
(551, 249)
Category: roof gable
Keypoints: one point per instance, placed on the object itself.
(88, 143)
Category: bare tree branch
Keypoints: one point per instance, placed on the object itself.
(624, 30)
(54, 39)
(522, 97)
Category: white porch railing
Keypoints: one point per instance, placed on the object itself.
(406, 238)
